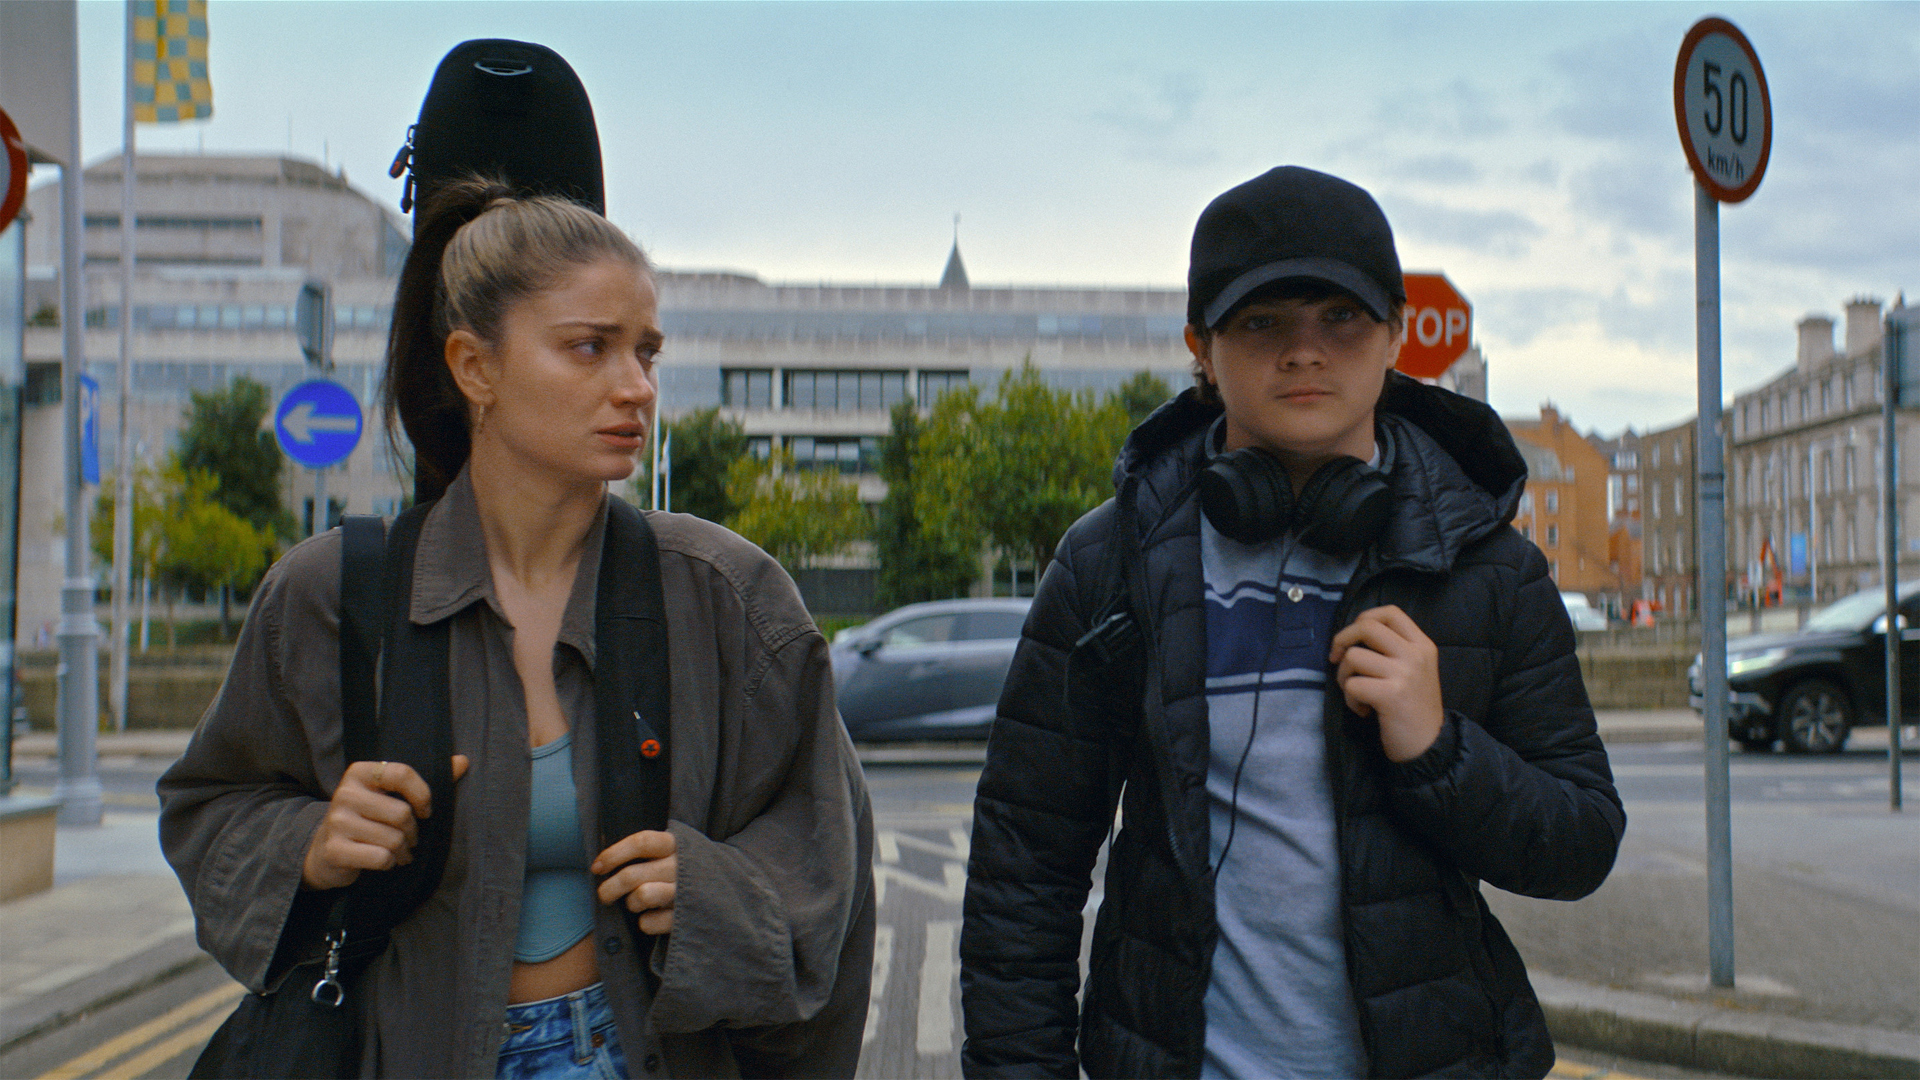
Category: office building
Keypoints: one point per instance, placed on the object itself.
(1806, 472)
(222, 247)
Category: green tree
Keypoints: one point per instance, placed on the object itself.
(225, 437)
(1142, 394)
(1017, 469)
(183, 537)
(915, 564)
(148, 517)
(704, 447)
(795, 514)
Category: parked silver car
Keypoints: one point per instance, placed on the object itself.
(927, 671)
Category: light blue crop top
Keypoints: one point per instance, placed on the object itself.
(556, 900)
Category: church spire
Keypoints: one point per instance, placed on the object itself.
(955, 277)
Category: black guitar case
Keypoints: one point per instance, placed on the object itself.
(507, 109)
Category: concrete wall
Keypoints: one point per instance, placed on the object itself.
(164, 689)
(173, 690)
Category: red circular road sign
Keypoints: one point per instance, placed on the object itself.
(13, 173)
(1721, 105)
(1439, 326)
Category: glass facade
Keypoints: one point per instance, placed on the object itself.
(845, 391)
(347, 317)
(848, 454)
(915, 325)
(746, 388)
(161, 221)
(935, 383)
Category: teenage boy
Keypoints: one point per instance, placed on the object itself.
(1330, 686)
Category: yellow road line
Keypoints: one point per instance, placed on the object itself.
(161, 1053)
(1574, 1070)
(120, 1044)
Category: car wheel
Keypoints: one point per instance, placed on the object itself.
(1755, 746)
(1815, 718)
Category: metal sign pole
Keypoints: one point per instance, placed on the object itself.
(81, 800)
(1713, 587)
(1890, 363)
(1725, 120)
(123, 456)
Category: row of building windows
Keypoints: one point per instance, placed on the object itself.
(845, 391)
(1789, 407)
(238, 224)
(901, 325)
(178, 378)
(1836, 540)
(829, 390)
(180, 260)
(850, 454)
(351, 317)
(1768, 480)
(1654, 504)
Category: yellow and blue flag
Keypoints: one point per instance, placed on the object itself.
(170, 61)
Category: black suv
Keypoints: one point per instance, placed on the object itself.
(1810, 687)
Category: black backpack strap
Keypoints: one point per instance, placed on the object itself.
(1113, 632)
(394, 706)
(363, 624)
(631, 687)
(416, 728)
(1105, 670)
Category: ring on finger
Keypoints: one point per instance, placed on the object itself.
(379, 772)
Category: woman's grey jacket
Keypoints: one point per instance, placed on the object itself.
(767, 968)
(1515, 792)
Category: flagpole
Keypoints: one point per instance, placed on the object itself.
(123, 458)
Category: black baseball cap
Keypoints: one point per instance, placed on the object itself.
(1290, 224)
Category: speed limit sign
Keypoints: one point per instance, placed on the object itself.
(1721, 105)
(13, 171)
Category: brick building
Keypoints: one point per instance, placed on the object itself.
(1669, 536)
(1565, 510)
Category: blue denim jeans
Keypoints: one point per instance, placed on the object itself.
(570, 1037)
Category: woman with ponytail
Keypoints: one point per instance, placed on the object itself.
(737, 940)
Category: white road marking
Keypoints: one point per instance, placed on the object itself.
(888, 843)
(952, 890)
(882, 967)
(937, 977)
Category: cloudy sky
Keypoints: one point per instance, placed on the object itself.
(1528, 150)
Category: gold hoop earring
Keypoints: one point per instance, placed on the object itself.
(479, 419)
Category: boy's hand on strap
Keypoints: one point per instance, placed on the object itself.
(1389, 669)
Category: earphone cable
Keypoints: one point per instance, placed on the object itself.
(1253, 720)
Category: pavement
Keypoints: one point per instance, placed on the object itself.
(115, 923)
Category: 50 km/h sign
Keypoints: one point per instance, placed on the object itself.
(1439, 326)
(317, 423)
(1725, 115)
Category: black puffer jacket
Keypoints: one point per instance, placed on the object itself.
(1516, 792)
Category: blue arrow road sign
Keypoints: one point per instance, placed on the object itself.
(318, 423)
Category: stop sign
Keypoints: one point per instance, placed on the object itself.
(1439, 325)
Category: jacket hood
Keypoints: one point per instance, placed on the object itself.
(1456, 473)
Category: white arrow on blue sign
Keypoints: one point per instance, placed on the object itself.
(318, 423)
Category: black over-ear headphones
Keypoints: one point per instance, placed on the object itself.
(1247, 496)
